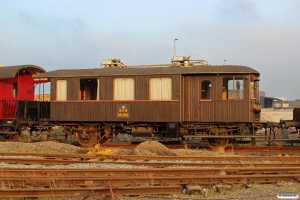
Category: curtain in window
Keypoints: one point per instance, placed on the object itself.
(123, 89)
(61, 94)
(160, 89)
(98, 89)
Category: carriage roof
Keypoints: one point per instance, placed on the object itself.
(11, 71)
(201, 69)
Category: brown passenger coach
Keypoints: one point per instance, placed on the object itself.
(183, 99)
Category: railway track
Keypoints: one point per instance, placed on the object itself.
(139, 175)
(239, 150)
(108, 190)
(248, 165)
(155, 161)
(259, 162)
(37, 182)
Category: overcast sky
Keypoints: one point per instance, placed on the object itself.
(60, 34)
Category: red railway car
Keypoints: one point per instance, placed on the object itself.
(16, 91)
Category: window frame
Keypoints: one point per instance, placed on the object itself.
(61, 95)
(204, 90)
(15, 90)
(120, 92)
(161, 96)
(237, 91)
(89, 89)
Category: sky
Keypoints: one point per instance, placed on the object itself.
(75, 34)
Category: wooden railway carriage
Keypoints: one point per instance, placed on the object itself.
(16, 97)
(183, 98)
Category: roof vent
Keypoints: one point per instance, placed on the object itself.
(112, 63)
(182, 61)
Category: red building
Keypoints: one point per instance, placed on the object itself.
(16, 83)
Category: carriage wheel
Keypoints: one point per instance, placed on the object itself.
(218, 144)
(87, 139)
(105, 137)
(12, 137)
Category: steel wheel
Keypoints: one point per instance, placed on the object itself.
(105, 137)
(217, 144)
(87, 139)
(12, 137)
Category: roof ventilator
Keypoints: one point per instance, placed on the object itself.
(184, 61)
(113, 63)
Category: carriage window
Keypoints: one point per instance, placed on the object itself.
(253, 87)
(233, 87)
(206, 89)
(160, 88)
(15, 89)
(89, 89)
(124, 89)
(61, 90)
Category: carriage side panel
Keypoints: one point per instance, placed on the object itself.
(231, 109)
(106, 109)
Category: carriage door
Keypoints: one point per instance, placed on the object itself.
(198, 99)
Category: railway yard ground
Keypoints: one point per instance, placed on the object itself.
(179, 172)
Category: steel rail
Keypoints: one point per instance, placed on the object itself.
(82, 157)
(129, 159)
(202, 158)
(153, 163)
(226, 163)
(67, 182)
(121, 172)
(95, 191)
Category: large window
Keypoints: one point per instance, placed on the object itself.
(160, 89)
(206, 89)
(89, 89)
(124, 89)
(233, 87)
(61, 90)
